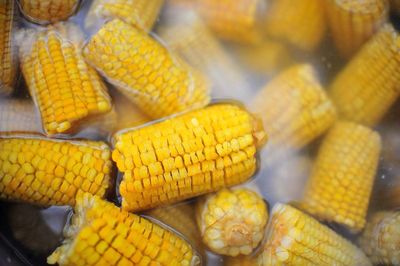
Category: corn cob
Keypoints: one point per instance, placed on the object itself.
(145, 71)
(185, 156)
(237, 21)
(19, 115)
(138, 13)
(366, 88)
(51, 172)
(190, 38)
(342, 177)
(353, 22)
(381, 238)
(7, 48)
(232, 222)
(305, 16)
(294, 238)
(65, 89)
(295, 108)
(395, 6)
(48, 11)
(102, 234)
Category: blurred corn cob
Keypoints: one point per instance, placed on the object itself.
(294, 108)
(232, 222)
(8, 55)
(66, 90)
(300, 23)
(19, 115)
(102, 234)
(51, 172)
(353, 22)
(48, 11)
(139, 13)
(342, 178)
(395, 6)
(366, 88)
(187, 36)
(185, 156)
(381, 238)
(156, 81)
(294, 238)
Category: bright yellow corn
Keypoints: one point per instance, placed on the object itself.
(19, 115)
(237, 21)
(8, 64)
(366, 88)
(341, 181)
(381, 238)
(353, 22)
(156, 81)
(395, 6)
(139, 13)
(102, 234)
(65, 88)
(48, 11)
(185, 156)
(301, 23)
(232, 222)
(51, 172)
(295, 109)
(294, 238)
(190, 38)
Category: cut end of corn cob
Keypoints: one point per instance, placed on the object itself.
(145, 71)
(342, 178)
(232, 222)
(381, 238)
(185, 156)
(294, 238)
(64, 87)
(102, 234)
(52, 172)
(49, 11)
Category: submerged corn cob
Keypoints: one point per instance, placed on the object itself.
(102, 234)
(300, 23)
(341, 181)
(139, 13)
(366, 88)
(353, 22)
(294, 238)
(190, 38)
(8, 64)
(19, 115)
(237, 21)
(185, 156)
(295, 109)
(48, 11)
(65, 89)
(157, 82)
(381, 238)
(232, 222)
(51, 172)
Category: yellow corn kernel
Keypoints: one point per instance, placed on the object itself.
(237, 21)
(102, 234)
(65, 88)
(295, 109)
(19, 115)
(188, 36)
(343, 175)
(353, 22)
(185, 156)
(301, 23)
(8, 55)
(232, 222)
(294, 238)
(156, 81)
(48, 11)
(139, 13)
(366, 88)
(395, 6)
(42, 167)
(381, 238)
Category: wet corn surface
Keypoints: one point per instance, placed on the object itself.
(199, 132)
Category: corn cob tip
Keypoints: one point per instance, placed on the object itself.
(259, 134)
